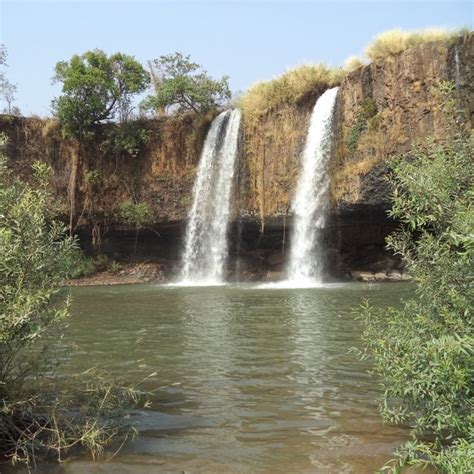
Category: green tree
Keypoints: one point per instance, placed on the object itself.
(424, 351)
(182, 85)
(96, 89)
(136, 215)
(39, 413)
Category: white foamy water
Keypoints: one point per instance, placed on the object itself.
(310, 203)
(206, 245)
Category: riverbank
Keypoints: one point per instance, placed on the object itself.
(126, 274)
(153, 272)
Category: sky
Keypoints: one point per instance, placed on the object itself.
(246, 40)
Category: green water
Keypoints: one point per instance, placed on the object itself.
(248, 380)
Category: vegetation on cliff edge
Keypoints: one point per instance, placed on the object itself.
(290, 88)
(181, 85)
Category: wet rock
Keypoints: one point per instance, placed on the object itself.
(275, 276)
(362, 276)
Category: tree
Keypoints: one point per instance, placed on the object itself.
(182, 85)
(424, 351)
(96, 89)
(39, 413)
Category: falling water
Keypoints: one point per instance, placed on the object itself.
(311, 199)
(458, 71)
(206, 235)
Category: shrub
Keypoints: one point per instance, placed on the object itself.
(39, 412)
(292, 87)
(367, 112)
(136, 215)
(424, 350)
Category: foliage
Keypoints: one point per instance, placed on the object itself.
(424, 350)
(39, 413)
(29, 300)
(292, 87)
(136, 215)
(96, 88)
(128, 137)
(393, 42)
(368, 111)
(182, 85)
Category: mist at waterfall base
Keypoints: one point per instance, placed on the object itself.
(206, 244)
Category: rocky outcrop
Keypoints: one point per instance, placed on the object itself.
(388, 106)
(383, 109)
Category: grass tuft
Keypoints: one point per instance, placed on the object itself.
(352, 63)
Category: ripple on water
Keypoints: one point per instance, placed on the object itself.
(250, 379)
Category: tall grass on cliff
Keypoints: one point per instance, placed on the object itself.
(292, 87)
(42, 413)
(424, 351)
(393, 42)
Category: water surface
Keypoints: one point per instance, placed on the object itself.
(248, 380)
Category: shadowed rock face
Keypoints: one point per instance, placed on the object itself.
(383, 108)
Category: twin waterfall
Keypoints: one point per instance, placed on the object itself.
(206, 245)
(205, 249)
(311, 200)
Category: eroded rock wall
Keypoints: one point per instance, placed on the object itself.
(383, 109)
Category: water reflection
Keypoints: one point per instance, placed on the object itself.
(249, 380)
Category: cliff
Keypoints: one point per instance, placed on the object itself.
(383, 109)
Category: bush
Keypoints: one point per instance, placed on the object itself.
(39, 413)
(136, 215)
(367, 112)
(424, 351)
(292, 87)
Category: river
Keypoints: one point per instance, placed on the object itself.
(247, 379)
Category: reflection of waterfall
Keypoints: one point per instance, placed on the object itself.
(310, 202)
(206, 235)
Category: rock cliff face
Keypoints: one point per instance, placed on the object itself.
(383, 109)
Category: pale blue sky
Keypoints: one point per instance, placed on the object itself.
(247, 40)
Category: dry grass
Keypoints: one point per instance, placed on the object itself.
(346, 182)
(393, 42)
(352, 63)
(291, 87)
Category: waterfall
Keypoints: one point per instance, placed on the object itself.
(458, 71)
(205, 248)
(311, 199)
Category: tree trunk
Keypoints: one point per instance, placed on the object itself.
(73, 184)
